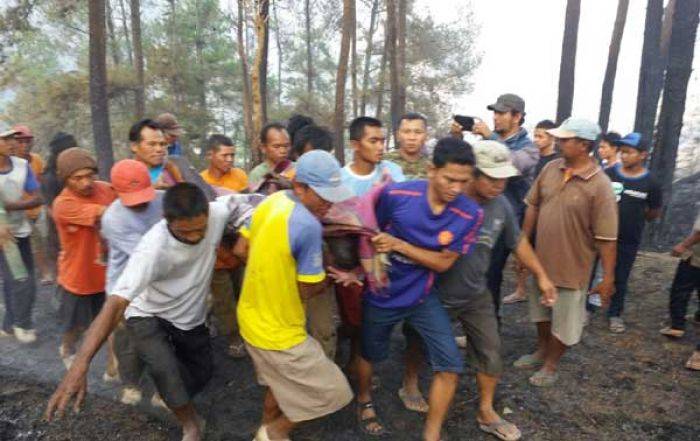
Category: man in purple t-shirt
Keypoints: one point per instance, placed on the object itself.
(426, 226)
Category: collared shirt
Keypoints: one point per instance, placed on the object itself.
(575, 210)
(411, 169)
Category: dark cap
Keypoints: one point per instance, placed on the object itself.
(169, 124)
(634, 140)
(508, 101)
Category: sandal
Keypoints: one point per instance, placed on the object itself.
(527, 361)
(542, 378)
(415, 402)
(514, 298)
(616, 326)
(501, 429)
(693, 362)
(365, 423)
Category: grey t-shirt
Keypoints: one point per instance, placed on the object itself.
(467, 277)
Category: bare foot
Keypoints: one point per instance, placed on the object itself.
(413, 400)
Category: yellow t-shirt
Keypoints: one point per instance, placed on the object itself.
(235, 180)
(285, 247)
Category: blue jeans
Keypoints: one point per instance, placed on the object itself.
(428, 319)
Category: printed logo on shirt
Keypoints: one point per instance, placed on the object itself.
(618, 188)
(636, 194)
(445, 237)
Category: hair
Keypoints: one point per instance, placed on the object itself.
(411, 116)
(450, 150)
(270, 126)
(611, 138)
(184, 201)
(297, 122)
(319, 138)
(51, 185)
(137, 128)
(214, 142)
(357, 126)
(545, 124)
(522, 116)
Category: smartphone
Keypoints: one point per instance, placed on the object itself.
(467, 122)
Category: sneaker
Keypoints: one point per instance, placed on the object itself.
(4, 333)
(25, 336)
(616, 325)
(461, 341)
(131, 396)
(673, 333)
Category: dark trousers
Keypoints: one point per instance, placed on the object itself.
(494, 275)
(626, 254)
(686, 281)
(19, 294)
(180, 362)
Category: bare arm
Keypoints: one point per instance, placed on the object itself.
(74, 383)
(688, 242)
(526, 256)
(607, 250)
(240, 250)
(530, 221)
(25, 204)
(438, 261)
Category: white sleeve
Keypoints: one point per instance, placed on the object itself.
(140, 271)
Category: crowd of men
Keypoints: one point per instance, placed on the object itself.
(161, 258)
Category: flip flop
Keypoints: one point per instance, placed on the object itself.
(693, 362)
(502, 429)
(261, 435)
(616, 326)
(543, 379)
(364, 423)
(513, 298)
(415, 403)
(527, 361)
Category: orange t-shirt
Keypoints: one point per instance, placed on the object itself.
(81, 262)
(37, 165)
(235, 180)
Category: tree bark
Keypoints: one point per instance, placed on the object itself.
(568, 60)
(113, 44)
(259, 74)
(99, 103)
(680, 65)
(309, 55)
(353, 69)
(279, 57)
(125, 29)
(382, 73)
(650, 71)
(199, 42)
(247, 97)
(368, 57)
(611, 69)
(392, 53)
(339, 115)
(138, 58)
(401, 59)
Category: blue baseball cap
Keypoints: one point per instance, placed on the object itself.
(321, 171)
(576, 128)
(634, 140)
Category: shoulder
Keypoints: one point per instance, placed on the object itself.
(466, 208)
(105, 190)
(391, 166)
(19, 163)
(552, 167)
(407, 188)
(238, 172)
(303, 224)
(205, 175)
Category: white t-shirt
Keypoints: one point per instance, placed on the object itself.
(170, 279)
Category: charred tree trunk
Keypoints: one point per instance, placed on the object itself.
(368, 57)
(199, 43)
(138, 58)
(113, 44)
(568, 60)
(125, 29)
(392, 53)
(247, 98)
(401, 59)
(279, 56)
(680, 66)
(611, 69)
(339, 115)
(381, 84)
(650, 71)
(353, 70)
(309, 55)
(99, 103)
(259, 74)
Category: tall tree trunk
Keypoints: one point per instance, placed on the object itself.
(680, 66)
(392, 53)
(650, 71)
(138, 58)
(381, 84)
(339, 115)
(247, 97)
(279, 56)
(611, 69)
(265, 5)
(309, 55)
(401, 58)
(568, 60)
(201, 21)
(259, 74)
(125, 29)
(353, 69)
(368, 57)
(99, 103)
(113, 43)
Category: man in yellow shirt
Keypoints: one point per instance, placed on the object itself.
(225, 282)
(284, 269)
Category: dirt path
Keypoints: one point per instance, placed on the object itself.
(612, 387)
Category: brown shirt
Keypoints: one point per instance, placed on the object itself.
(574, 211)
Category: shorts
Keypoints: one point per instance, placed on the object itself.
(305, 383)
(350, 304)
(567, 315)
(427, 318)
(77, 311)
(180, 362)
(480, 324)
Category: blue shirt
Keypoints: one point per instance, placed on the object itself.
(361, 184)
(404, 212)
(175, 149)
(123, 228)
